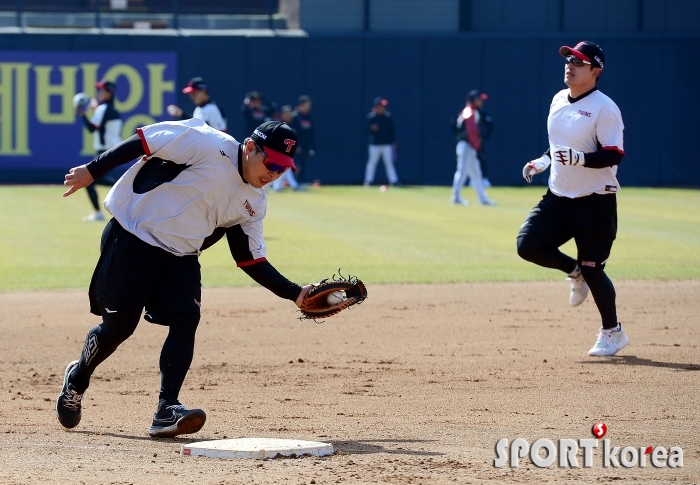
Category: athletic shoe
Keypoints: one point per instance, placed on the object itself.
(579, 290)
(609, 342)
(460, 202)
(68, 403)
(175, 420)
(95, 216)
(487, 201)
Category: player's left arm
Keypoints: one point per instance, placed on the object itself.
(609, 128)
(610, 150)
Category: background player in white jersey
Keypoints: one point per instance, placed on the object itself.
(192, 185)
(205, 108)
(468, 135)
(585, 146)
(106, 127)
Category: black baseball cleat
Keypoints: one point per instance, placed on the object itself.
(170, 421)
(68, 403)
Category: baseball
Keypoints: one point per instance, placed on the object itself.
(383, 188)
(172, 110)
(335, 297)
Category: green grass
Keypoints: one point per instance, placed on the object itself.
(400, 236)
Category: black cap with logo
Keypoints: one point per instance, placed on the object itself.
(586, 51)
(379, 101)
(278, 141)
(476, 94)
(195, 84)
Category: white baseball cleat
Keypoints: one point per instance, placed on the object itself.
(95, 216)
(487, 201)
(579, 290)
(460, 202)
(609, 342)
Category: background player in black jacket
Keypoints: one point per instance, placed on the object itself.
(382, 142)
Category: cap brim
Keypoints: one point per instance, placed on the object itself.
(280, 159)
(565, 51)
(189, 89)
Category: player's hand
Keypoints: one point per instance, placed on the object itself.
(80, 110)
(567, 156)
(174, 111)
(77, 178)
(536, 166)
(304, 291)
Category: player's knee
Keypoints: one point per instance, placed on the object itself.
(591, 270)
(528, 248)
(185, 322)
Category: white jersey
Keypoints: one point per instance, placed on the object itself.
(587, 125)
(187, 185)
(211, 115)
(106, 115)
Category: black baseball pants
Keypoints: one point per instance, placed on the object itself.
(592, 222)
(132, 275)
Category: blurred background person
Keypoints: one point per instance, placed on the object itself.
(382, 142)
(303, 125)
(256, 110)
(106, 127)
(469, 145)
(205, 108)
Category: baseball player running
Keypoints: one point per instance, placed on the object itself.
(585, 146)
(206, 109)
(192, 185)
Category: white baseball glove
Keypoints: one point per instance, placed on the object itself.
(535, 167)
(567, 156)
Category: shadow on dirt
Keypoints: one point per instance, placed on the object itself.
(365, 447)
(634, 360)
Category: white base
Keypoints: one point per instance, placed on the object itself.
(255, 448)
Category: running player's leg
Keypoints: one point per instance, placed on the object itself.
(596, 230)
(372, 161)
(92, 195)
(461, 173)
(176, 355)
(545, 229)
(119, 290)
(388, 156)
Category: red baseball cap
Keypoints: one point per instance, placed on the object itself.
(586, 51)
(195, 84)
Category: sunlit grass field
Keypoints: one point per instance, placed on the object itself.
(404, 235)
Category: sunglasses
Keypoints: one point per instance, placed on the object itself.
(577, 62)
(270, 165)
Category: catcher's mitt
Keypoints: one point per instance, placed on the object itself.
(316, 305)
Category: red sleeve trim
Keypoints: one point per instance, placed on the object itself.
(615, 149)
(139, 131)
(250, 263)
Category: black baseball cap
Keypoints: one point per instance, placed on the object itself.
(278, 141)
(476, 94)
(195, 84)
(106, 85)
(379, 101)
(586, 51)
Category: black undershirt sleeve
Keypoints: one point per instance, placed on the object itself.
(88, 124)
(124, 152)
(602, 159)
(262, 272)
(266, 275)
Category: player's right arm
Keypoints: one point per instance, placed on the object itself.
(84, 175)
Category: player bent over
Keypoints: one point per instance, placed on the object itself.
(585, 146)
(192, 185)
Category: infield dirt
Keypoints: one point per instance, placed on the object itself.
(416, 385)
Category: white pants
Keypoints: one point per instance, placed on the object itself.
(375, 151)
(467, 167)
(289, 177)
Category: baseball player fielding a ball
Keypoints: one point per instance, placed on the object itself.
(192, 185)
(585, 146)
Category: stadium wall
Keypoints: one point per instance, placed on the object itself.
(425, 78)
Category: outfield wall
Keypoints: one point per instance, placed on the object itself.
(652, 79)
